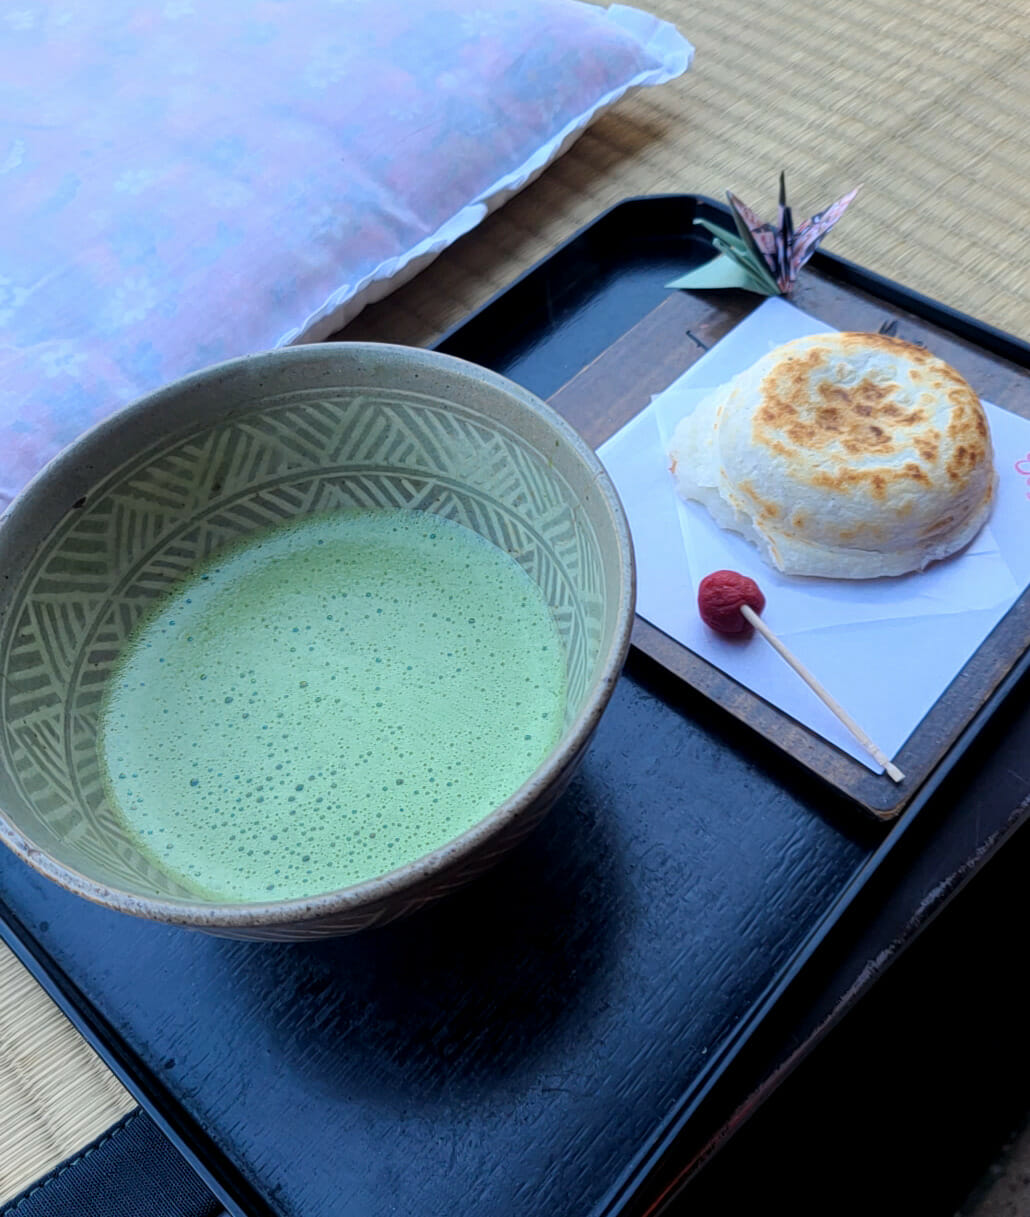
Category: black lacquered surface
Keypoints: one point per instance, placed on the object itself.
(506, 1051)
(514, 1049)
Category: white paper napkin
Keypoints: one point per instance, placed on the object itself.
(885, 648)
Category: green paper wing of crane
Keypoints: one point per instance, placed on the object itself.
(734, 266)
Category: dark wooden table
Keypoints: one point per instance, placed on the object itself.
(579, 1032)
(985, 794)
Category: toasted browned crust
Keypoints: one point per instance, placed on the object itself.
(851, 454)
(811, 403)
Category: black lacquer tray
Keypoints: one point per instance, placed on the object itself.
(531, 1043)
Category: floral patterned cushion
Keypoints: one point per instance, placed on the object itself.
(185, 181)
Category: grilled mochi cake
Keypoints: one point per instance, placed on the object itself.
(846, 455)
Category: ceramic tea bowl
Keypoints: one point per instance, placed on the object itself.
(134, 505)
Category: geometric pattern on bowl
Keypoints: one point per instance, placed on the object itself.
(164, 509)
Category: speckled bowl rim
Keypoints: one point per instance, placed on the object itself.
(394, 884)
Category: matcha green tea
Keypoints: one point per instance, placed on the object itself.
(330, 700)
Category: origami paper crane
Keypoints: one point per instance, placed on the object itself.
(762, 257)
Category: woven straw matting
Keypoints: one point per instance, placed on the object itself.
(926, 105)
(55, 1095)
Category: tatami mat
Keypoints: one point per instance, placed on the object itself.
(55, 1095)
(925, 105)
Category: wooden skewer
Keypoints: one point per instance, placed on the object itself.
(893, 772)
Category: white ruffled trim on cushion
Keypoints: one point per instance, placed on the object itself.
(660, 39)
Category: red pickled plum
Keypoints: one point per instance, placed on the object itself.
(720, 596)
